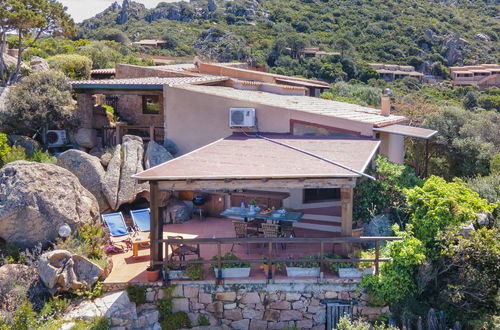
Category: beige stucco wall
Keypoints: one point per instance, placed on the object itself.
(194, 119)
(392, 146)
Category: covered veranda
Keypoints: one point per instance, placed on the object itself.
(262, 162)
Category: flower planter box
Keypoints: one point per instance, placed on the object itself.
(177, 275)
(354, 272)
(302, 272)
(233, 272)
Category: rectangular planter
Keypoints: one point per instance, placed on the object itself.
(302, 272)
(233, 272)
(177, 275)
(349, 273)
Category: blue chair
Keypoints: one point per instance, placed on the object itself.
(142, 220)
(118, 230)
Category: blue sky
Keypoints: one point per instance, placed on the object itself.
(83, 9)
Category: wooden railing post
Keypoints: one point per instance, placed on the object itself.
(270, 261)
(377, 256)
(322, 255)
(151, 133)
(219, 264)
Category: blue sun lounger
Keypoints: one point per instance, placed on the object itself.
(118, 230)
(142, 220)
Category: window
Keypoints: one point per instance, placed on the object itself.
(321, 195)
(151, 104)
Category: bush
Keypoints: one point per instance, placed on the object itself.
(136, 293)
(75, 66)
(230, 256)
(489, 102)
(15, 153)
(41, 156)
(176, 321)
(4, 147)
(203, 320)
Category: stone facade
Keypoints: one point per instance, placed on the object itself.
(263, 306)
(130, 110)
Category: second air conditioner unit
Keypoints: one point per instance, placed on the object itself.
(56, 138)
(242, 117)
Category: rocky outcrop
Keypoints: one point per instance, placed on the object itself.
(60, 270)
(119, 310)
(454, 46)
(177, 211)
(88, 170)
(36, 199)
(85, 137)
(156, 155)
(26, 142)
(118, 185)
(39, 64)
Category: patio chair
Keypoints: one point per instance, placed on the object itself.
(270, 231)
(142, 220)
(183, 250)
(242, 231)
(118, 230)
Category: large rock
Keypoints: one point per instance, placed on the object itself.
(36, 199)
(38, 64)
(118, 186)
(85, 137)
(62, 270)
(26, 142)
(133, 154)
(156, 155)
(88, 170)
(177, 211)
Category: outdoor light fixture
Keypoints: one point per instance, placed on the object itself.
(64, 231)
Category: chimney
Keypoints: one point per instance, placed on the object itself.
(385, 103)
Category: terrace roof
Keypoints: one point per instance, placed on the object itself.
(422, 133)
(240, 157)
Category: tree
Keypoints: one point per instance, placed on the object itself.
(40, 101)
(439, 205)
(470, 100)
(73, 65)
(30, 19)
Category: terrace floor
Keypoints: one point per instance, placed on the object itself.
(129, 269)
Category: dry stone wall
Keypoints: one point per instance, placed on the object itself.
(263, 306)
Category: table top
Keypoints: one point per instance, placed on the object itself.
(237, 212)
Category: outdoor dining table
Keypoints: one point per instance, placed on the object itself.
(273, 216)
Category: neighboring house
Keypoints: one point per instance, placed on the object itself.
(152, 43)
(315, 52)
(482, 76)
(390, 72)
(192, 104)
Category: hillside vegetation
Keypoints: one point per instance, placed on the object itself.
(426, 34)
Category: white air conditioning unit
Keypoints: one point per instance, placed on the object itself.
(242, 117)
(56, 138)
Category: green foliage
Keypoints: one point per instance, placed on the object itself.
(466, 141)
(372, 197)
(165, 307)
(4, 147)
(41, 156)
(75, 66)
(304, 264)
(230, 256)
(488, 187)
(39, 101)
(176, 321)
(396, 280)
(358, 94)
(438, 205)
(495, 164)
(16, 152)
(203, 320)
(136, 293)
(489, 102)
(334, 266)
(470, 101)
(195, 271)
(346, 324)
(97, 323)
(24, 317)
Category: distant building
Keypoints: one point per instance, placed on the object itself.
(315, 52)
(390, 72)
(153, 43)
(482, 76)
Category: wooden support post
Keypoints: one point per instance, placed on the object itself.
(151, 133)
(270, 261)
(156, 224)
(377, 256)
(219, 279)
(322, 255)
(346, 199)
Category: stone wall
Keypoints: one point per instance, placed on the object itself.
(130, 110)
(264, 306)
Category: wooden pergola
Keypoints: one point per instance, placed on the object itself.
(252, 162)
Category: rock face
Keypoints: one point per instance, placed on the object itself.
(36, 199)
(118, 185)
(88, 170)
(86, 137)
(26, 142)
(133, 153)
(62, 270)
(156, 155)
(177, 211)
(38, 64)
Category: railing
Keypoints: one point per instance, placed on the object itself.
(271, 259)
(112, 136)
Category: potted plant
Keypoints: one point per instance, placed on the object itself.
(303, 268)
(275, 267)
(342, 269)
(251, 206)
(152, 273)
(189, 272)
(236, 269)
(366, 267)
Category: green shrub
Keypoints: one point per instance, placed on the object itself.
(334, 266)
(41, 156)
(4, 147)
(97, 323)
(195, 271)
(229, 256)
(304, 264)
(73, 65)
(136, 293)
(176, 321)
(203, 320)
(24, 318)
(16, 152)
(346, 324)
(489, 102)
(165, 307)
